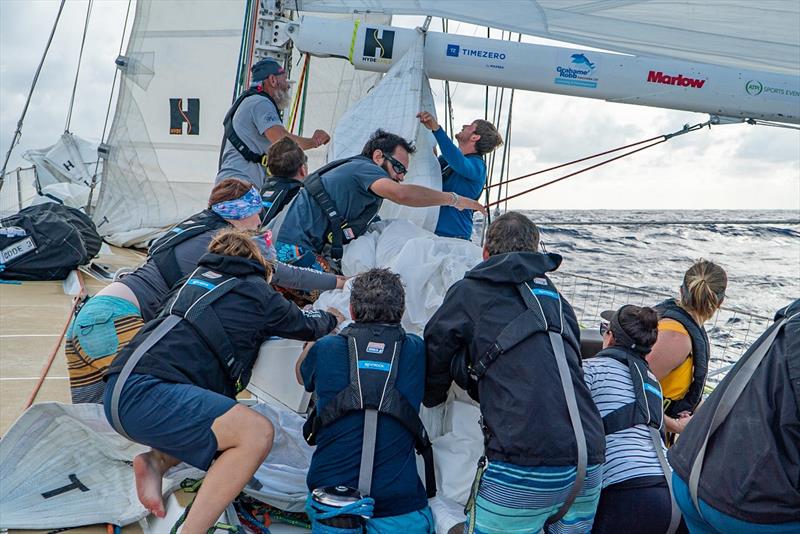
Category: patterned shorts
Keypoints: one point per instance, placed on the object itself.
(300, 257)
(103, 326)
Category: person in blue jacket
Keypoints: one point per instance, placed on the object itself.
(463, 169)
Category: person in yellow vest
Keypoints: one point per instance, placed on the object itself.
(680, 356)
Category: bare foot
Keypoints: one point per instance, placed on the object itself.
(146, 468)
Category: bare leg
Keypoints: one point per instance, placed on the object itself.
(245, 437)
(149, 468)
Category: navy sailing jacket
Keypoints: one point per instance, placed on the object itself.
(751, 469)
(521, 397)
(250, 314)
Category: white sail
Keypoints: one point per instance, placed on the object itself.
(736, 33)
(165, 138)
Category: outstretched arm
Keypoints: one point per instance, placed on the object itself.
(418, 196)
(278, 132)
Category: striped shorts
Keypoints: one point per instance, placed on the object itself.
(103, 326)
(514, 499)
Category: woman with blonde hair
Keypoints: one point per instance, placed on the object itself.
(174, 386)
(680, 356)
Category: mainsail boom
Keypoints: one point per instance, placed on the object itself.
(648, 81)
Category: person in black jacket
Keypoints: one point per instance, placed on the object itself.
(749, 478)
(177, 393)
(530, 437)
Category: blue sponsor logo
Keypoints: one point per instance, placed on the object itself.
(577, 70)
(201, 283)
(453, 50)
(545, 293)
(374, 366)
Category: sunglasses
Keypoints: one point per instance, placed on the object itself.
(604, 327)
(398, 167)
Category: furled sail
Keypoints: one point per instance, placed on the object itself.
(761, 36)
(177, 80)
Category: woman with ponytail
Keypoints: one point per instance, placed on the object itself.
(681, 354)
(628, 397)
(174, 386)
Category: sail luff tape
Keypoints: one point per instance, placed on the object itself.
(353, 40)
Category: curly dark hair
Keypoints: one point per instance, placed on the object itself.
(285, 157)
(385, 142)
(511, 232)
(378, 296)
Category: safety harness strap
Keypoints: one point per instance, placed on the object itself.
(233, 137)
(159, 332)
(727, 401)
(317, 191)
(675, 512)
(368, 451)
(577, 425)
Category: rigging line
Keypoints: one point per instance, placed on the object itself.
(78, 70)
(18, 131)
(787, 222)
(575, 161)
(88, 208)
(773, 124)
(665, 137)
(576, 172)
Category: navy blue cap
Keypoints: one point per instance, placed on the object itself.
(264, 68)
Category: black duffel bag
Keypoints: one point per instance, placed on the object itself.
(46, 242)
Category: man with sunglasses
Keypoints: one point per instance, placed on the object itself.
(463, 169)
(341, 199)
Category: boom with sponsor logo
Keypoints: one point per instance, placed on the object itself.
(680, 79)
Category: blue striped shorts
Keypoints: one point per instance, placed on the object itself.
(514, 499)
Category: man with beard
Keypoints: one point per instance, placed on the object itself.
(254, 122)
(463, 169)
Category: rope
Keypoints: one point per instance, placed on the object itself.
(668, 223)
(18, 131)
(661, 139)
(49, 363)
(317, 512)
(80, 61)
(298, 95)
(88, 208)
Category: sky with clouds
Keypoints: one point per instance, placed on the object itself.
(728, 167)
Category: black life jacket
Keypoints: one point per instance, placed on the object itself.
(193, 302)
(162, 252)
(231, 135)
(277, 192)
(669, 309)
(447, 170)
(647, 408)
(374, 350)
(341, 231)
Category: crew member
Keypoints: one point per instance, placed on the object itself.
(629, 399)
(254, 122)
(737, 465)
(463, 169)
(174, 386)
(390, 368)
(110, 319)
(341, 199)
(681, 354)
(507, 336)
(288, 166)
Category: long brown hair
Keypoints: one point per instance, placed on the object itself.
(233, 242)
(228, 189)
(703, 289)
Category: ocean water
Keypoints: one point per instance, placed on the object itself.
(606, 263)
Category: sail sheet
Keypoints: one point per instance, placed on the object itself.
(761, 35)
(176, 85)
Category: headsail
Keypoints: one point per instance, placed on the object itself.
(735, 33)
(177, 81)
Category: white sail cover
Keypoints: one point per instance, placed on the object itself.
(761, 35)
(392, 106)
(167, 129)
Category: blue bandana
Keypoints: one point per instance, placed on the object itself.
(239, 208)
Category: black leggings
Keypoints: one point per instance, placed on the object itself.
(635, 510)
